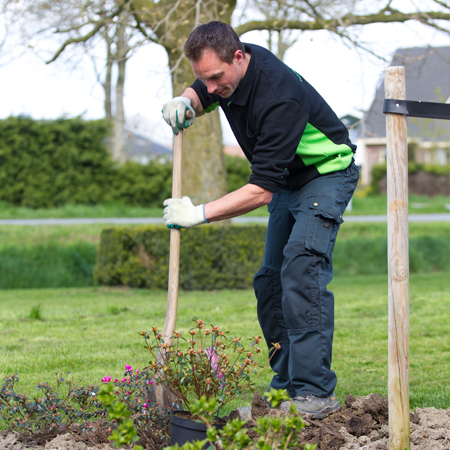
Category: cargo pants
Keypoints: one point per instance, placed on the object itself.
(294, 306)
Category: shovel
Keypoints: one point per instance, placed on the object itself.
(159, 393)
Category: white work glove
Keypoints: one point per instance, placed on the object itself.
(181, 213)
(174, 113)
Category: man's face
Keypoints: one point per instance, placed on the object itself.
(220, 77)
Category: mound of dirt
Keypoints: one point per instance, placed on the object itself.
(360, 424)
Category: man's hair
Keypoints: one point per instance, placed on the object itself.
(217, 36)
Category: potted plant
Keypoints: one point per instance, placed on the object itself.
(208, 366)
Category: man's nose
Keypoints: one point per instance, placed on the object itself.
(211, 86)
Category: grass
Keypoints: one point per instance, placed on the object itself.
(94, 332)
(115, 209)
(361, 205)
(23, 236)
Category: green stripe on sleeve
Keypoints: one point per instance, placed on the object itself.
(212, 107)
(316, 148)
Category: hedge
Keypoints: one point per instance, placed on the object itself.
(213, 257)
(227, 257)
(50, 163)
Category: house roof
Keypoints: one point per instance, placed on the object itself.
(138, 145)
(427, 78)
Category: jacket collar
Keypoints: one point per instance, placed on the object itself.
(242, 93)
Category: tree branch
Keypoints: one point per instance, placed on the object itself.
(100, 24)
(344, 21)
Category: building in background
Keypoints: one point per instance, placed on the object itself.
(143, 150)
(427, 78)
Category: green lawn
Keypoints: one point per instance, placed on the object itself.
(23, 236)
(94, 332)
(361, 205)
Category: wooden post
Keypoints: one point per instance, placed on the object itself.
(398, 264)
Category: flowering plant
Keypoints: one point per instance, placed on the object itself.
(210, 367)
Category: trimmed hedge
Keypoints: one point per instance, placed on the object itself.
(219, 257)
(50, 163)
(213, 257)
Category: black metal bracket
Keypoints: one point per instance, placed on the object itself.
(410, 108)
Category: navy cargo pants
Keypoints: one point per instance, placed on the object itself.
(294, 306)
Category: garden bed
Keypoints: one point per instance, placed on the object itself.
(360, 424)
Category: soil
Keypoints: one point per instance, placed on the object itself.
(360, 424)
(423, 183)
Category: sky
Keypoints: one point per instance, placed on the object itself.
(346, 77)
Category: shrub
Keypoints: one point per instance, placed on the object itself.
(218, 257)
(50, 163)
(238, 172)
(79, 409)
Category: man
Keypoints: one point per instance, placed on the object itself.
(303, 169)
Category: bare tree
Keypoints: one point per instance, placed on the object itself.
(70, 20)
(169, 22)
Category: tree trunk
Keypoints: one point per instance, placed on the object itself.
(107, 84)
(204, 173)
(118, 144)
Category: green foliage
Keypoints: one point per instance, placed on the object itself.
(275, 431)
(74, 404)
(84, 408)
(238, 172)
(217, 257)
(47, 164)
(379, 171)
(125, 433)
(51, 163)
(142, 185)
(36, 313)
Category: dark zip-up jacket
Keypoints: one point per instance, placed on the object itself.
(287, 131)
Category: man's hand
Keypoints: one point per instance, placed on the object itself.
(180, 212)
(174, 113)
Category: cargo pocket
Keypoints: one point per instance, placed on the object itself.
(324, 221)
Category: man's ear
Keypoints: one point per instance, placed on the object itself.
(238, 56)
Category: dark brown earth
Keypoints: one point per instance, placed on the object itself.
(360, 424)
(423, 183)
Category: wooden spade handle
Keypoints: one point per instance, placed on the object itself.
(174, 255)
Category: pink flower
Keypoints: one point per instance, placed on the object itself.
(145, 405)
(137, 371)
(106, 379)
(150, 382)
(128, 368)
(214, 361)
(124, 380)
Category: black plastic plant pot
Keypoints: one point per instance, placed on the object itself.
(188, 430)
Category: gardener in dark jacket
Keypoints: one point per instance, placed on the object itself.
(303, 169)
